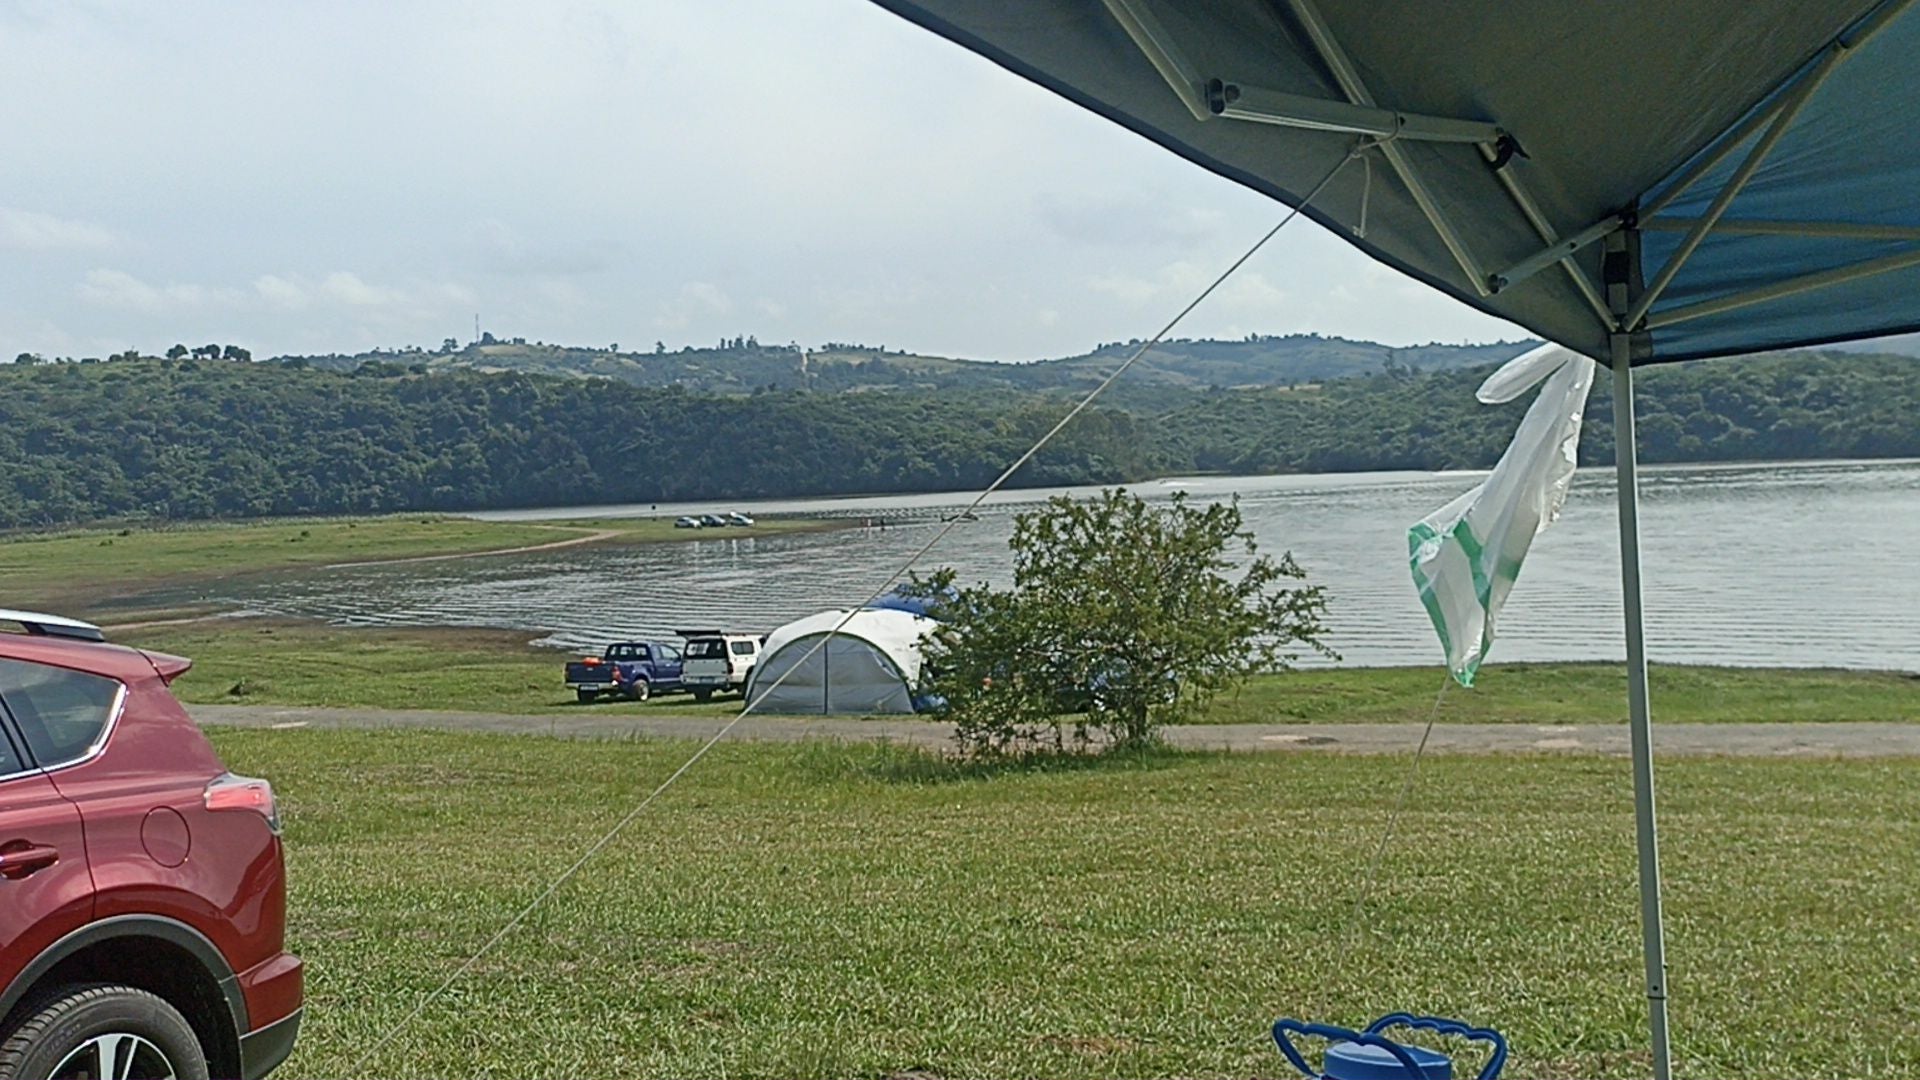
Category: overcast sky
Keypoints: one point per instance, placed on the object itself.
(332, 177)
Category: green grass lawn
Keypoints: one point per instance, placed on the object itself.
(241, 662)
(73, 571)
(275, 662)
(863, 911)
(1585, 693)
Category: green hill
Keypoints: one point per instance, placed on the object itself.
(743, 365)
(185, 439)
(167, 439)
(1783, 406)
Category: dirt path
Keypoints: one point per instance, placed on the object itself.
(1851, 740)
(574, 541)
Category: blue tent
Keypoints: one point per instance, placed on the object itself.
(1639, 180)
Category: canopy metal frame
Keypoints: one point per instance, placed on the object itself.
(1207, 97)
(1771, 121)
(1210, 97)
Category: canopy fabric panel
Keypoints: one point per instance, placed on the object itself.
(1850, 159)
(1606, 104)
(869, 666)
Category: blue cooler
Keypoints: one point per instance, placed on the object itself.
(1370, 1055)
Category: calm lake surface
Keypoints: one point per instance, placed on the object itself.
(1802, 564)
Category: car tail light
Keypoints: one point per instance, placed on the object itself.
(230, 792)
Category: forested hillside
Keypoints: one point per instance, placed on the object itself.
(1786, 406)
(183, 439)
(743, 365)
(193, 439)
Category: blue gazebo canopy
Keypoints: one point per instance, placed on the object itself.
(1759, 148)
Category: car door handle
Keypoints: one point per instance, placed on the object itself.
(17, 862)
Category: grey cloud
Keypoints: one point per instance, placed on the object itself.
(28, 230)
(499, 248)
(340, 290)
(607, 171)
(1125, 219)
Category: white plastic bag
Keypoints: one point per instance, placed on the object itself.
(1467, 554)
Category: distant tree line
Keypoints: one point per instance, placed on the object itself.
(185, 438)
(178, 352)
(188, 439)
(1787, 406)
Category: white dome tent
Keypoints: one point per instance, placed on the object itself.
(870, 666)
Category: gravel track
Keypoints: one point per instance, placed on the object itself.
(1851, 740)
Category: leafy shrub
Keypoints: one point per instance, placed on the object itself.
(1123, 617)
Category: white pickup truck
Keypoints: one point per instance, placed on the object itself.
(717, 662)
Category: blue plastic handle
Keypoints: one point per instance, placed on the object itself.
(1299, 1027)
(1442, 1026)
(1370, 1037)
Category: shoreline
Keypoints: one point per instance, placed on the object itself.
(827, 502)
(572, 541)
(141, 576)
(532, 636)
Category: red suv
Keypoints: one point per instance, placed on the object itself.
(142, 889)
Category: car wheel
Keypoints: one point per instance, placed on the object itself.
(104, 1031)
(586, 696)
(637, 690)
(703, 695)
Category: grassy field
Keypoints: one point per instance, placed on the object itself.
(1587, 693)
(73, 572)
(863, 911)
(282, 663)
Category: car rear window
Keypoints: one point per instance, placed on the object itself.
(706, 649)
(743, 648)
(61, 713)
(627, 652)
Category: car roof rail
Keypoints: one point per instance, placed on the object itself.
(41, 625)
(700, 633)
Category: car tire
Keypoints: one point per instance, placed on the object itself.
(68, 1036)
(586, 696)
(703, 695)
(638, 690)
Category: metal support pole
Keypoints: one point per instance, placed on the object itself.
(1652, 933)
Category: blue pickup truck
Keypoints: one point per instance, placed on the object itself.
(635, 670)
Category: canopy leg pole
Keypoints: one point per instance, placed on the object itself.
(1652, 932)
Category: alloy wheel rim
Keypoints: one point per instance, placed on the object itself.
(115, 1055)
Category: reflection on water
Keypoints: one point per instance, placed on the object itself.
(1807, 564)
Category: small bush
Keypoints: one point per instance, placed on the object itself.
(1122, 618)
